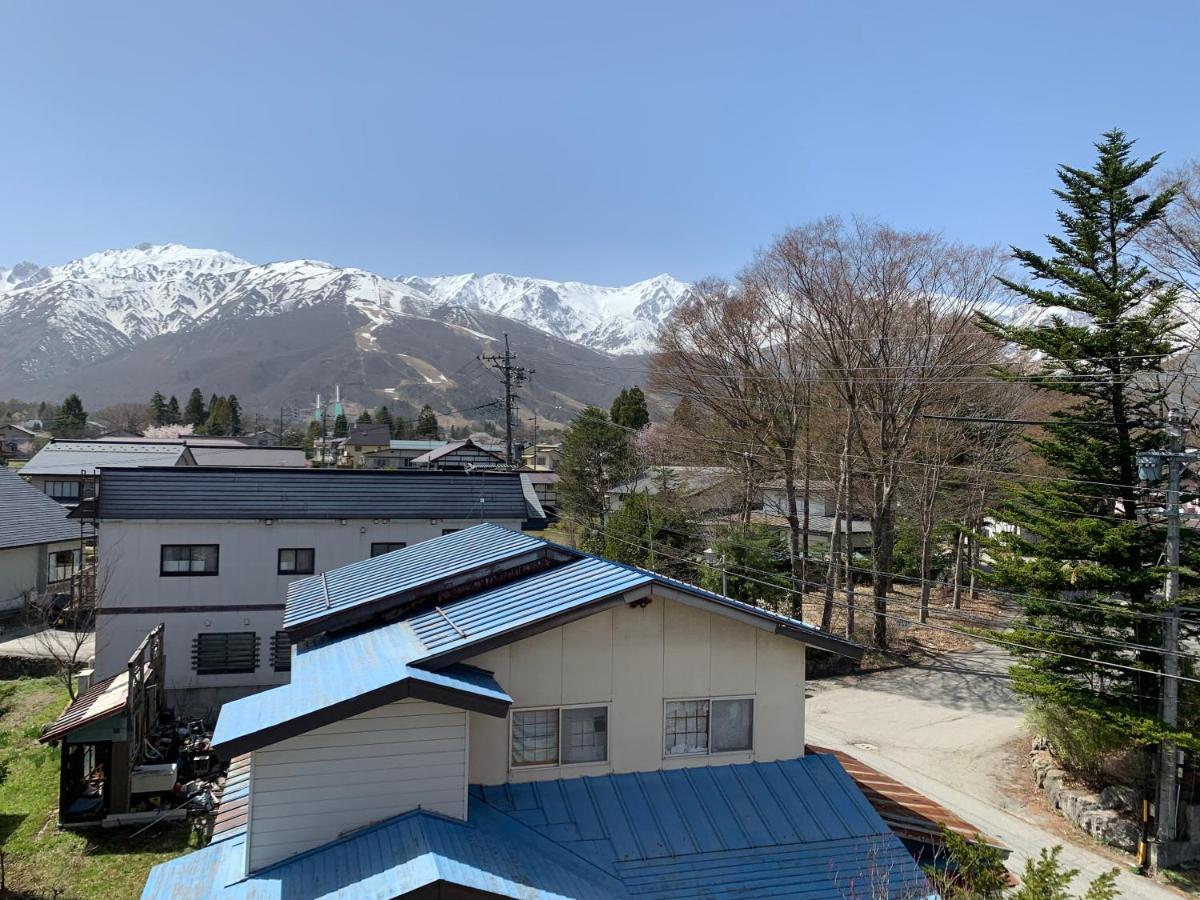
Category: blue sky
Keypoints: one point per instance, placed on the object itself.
(600, 142)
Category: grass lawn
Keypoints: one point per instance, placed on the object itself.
(41, 860)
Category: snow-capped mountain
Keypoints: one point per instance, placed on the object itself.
(57, 321)
(612, 319)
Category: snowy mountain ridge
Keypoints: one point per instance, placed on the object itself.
(114, 299)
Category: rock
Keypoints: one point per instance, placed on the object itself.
(1053, 782)
(1108, 826)
(1040, 743)
(1077, 805)
(1119, 796)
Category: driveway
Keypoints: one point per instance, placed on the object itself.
(45, 643)
(945, 728)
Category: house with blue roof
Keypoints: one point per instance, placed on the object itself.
(489, 714)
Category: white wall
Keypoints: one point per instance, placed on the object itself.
(19, 568)
(308, 790)
(128, 577)
(633, 659)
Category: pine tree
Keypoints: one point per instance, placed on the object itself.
(173, 414)
(72, 418)
(310, 437)
(235, 415)
(596, 457)
(195, 412)
(218, 422)
(384, 416)
(1080, 533)
(341, 428)
(427, 423)
(629, 409)
(158, 409)
(364, 418)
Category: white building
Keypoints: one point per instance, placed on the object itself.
(210, 552)
(489, 714)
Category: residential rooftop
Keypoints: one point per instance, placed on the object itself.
(28, 516)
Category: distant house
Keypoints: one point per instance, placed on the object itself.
(248, 456)
(542, 458)
(459, 456)
(400, 454)
(706, 490)
(66, 469)
(364, 439)
(40, 548)
(16, 442)
(545, 485)
(490, 714)
(264, 437)
(822, 510)
(210, 553)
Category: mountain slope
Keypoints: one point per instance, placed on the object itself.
(118, 324)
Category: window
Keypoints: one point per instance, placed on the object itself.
(225, 653)
(63, 491)
(188, 559)
(380, 548)
(549, 737)
(62, 565)
(708, 726)
(446, 531)
(281, 652)
(296, 560)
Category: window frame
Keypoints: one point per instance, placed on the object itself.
(163, 573)
(74, 497)
(312, 561)
(395, 545)
(275, 655)
(196, 640)
(606, 705)
(709, 751)
(52, 569)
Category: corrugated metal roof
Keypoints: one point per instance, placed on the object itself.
(76, 457)
(101, 700)
(794, 828)
(490, 854)
(28, 516)
(331, 678)
(234, 455)
(446, 449)
(233, 801)
(470, 550)
(232, 493)
(467, 622)
(797, 828)
(909, 814)
(424, 445)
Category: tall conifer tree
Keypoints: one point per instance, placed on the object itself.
(1109, 325)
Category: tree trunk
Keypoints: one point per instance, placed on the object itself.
(882, 545)
(835, 542)
(925, 567)
(958, 569)
(804, 525)
(793, 520)
(848, 521)
(973, 562)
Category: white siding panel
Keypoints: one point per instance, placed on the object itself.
(360, 770)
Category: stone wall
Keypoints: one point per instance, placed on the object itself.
(1109, 816)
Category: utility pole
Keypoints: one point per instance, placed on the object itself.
(513, 376)
(1150, 465)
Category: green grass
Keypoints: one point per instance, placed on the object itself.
(41, 860)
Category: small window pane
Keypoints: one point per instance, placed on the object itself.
(585, 734)
(380, 548)
(176, 559)
(687, 727)
(281, 652)
(296, 561)
(732, 725)
(535, 737)
(188, 559)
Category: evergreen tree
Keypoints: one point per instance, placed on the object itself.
(629, 409)
(364, 418)
(1080, 533)
(218, 422)
(652, 531)
(158, 409)
(310, 437)
(384, 416)
(195, 413)
(597, 456)
(235, 415)
(72, 418)
(173, 415)
(341, 428)
(427, 423)
(744, 556)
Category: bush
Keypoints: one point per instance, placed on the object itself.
(1083, 741)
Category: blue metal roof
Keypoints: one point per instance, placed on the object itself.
(311, 600)
(797, 828)
(547, 595)
(345, 676)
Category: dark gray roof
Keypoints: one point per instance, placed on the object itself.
(234, 493)
(241, 456)
(27, 516)
(64, 458)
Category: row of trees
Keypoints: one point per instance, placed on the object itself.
(222, 415)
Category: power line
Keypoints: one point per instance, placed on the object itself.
(514, 376)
